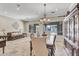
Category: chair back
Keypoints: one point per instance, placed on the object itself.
(54, 39)
(51, 40)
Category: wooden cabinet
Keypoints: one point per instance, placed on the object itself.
(71, 32)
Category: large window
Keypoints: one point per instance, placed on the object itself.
(55, 27)
(51, 28)
(32, 28)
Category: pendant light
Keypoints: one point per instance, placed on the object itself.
(44, 20)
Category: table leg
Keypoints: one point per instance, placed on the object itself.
(51, 52)
(30, 48)
(3, 49)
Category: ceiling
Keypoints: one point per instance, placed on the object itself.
(32, 11)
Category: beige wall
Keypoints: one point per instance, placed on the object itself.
(21, 26)
(6, 24)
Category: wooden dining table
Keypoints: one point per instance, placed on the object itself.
(39, 47)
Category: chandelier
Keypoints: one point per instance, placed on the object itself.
(44, 20)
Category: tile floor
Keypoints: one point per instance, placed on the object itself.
(21, 47)
(60, 51)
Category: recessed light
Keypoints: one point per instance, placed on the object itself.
(52, 12)
(18, 8)
(5, 12)
(56, 9)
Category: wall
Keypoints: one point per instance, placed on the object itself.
(21, 26)
(6, 24)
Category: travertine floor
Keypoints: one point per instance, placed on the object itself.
(60, 46)
(21, 47)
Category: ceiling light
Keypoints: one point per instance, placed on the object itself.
(18, 6)
(5, 12)
(52, 12)
(56, 9)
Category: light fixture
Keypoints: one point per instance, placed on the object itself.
(44, 20)
(56, 9)
(5, 12)
(48, 19)
(18, 6)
